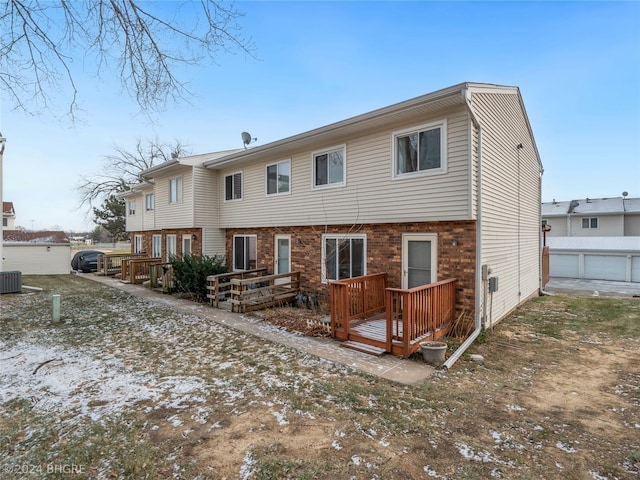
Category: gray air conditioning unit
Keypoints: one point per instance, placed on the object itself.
(10, 282)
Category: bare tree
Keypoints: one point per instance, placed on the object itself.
(142, 42)
(123, 169)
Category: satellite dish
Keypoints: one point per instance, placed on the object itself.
(246, 138)
(624, 194)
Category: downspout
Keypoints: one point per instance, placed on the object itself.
(478, 319)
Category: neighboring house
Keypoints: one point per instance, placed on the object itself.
(593, 217)
(446, 185)
(594, 238)
(174, 210)
(36, 253)
(8, 216)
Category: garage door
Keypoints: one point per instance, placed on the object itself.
(605, 267)
(635, 269)
(563, 266)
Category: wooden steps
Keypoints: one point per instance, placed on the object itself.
(364, 348)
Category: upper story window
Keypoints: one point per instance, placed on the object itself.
(233, 186)
(149, 201)
(175, 190)
(420, 150)
(329, 167)
(590, 222)
(279, 178)
(343, 256)
(5, 222)
(132, 207)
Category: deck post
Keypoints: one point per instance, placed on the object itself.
(407, 324)
(389, 312)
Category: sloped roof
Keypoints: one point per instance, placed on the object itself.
(7, 207)
(44, 236)
(592, 206)
(411, 109)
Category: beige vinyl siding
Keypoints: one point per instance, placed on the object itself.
(148, 216)
(608, 226)
(510, 201)
(205, 208)
(134, 223)
(632, 225)
(371, 195)
(558, 226)
(174, 215)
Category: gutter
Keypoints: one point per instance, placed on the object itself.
(478, 320)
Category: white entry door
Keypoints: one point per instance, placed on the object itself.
(282, 256)
(419, 259)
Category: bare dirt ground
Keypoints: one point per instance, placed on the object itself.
(128, 388)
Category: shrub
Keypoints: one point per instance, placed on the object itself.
(191, 272)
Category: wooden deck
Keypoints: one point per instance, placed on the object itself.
(399, 321)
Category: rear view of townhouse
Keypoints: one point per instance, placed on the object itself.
(442, 186)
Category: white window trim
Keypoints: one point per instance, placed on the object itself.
(224, 186)
(148, 196)
(266, 178)
(131, 207)
(590, 227)
(157, 237)
(178, 190)
(137, 244)
(442, 124)
(342, 147)
(339, 236)
(168, 253)
(233, 252)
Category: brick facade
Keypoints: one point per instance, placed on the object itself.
(456, 252)
(147, 240)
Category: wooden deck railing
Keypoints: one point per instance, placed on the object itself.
(262, 292)
(111, 263)
(137, 270)
(220, 285)
(418, 314)
(161, 276)
(355, 298)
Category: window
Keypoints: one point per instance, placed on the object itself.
(591, 222)
(171, 247)
(420, 150)
(244, 252)
(132, 207)
(233, 186)
(343, 257)
(186, 244)
(278, 178)
(137, 244)
(329, 167)
(149, 201)
(5, 222)
(156, 246)
(175, 190)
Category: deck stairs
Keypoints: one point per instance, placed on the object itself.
(363, 347)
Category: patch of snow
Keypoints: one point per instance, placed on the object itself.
(565, 448)
(247, 469)
(336, 445)
(597, 476)
(429, 471)
(469, 454)
(281, 417)
(516, 408)
(356, 460)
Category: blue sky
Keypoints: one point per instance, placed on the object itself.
(577, 65)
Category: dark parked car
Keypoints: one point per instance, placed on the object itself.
(85, 261)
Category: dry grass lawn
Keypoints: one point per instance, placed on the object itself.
(126, 387)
